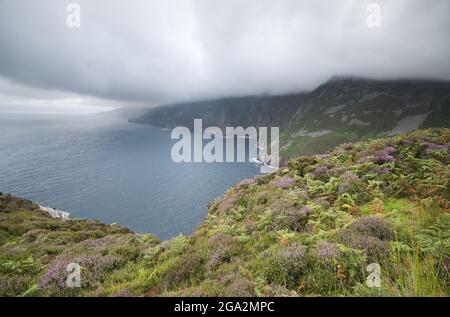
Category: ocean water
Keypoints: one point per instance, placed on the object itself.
(110, 170)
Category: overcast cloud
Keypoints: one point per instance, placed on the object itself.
(153, 52)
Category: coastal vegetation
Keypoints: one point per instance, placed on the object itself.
(310, 229)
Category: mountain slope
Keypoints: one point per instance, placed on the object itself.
(341, 110)
(244, 111)
(311, 228)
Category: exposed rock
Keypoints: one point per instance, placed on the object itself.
(56, 213)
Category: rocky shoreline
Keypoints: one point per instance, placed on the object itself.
(56, 213)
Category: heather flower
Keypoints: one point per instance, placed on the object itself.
(305, 211)
(182, 268)
(245, 183)
(321, 169)
(285, 182)
(13, 285)
(237, 285)
(348, 183)
(381, 157)
(383, 170)
(368, 233)
(322, 172)
(295, 219)
(215, 259)
(434, 146)
(389, 150)
(225, 203)
(294, 253)
(349, 176)
(439, 152)
(372, 225)
(353, 185)
(322, 202)
(242, 287)
(223, 247)
(56, 276)
(366, 157)
(93, 268)
(287, 266)
(326, 251)
(385, 155)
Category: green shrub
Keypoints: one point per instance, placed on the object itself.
(285, 266)
(368, 233)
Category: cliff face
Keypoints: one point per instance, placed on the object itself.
(229, 112)
(341, 110)
(311, 228)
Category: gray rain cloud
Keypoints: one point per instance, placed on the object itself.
(153, 52)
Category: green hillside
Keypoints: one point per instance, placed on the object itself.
(310, 229)
(344, 109)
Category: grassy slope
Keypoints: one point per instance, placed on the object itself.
(309, 229)
(377, 123)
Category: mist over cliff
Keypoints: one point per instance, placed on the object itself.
(341, 110)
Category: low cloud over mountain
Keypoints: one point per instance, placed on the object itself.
(154, 52)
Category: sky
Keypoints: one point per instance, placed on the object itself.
(152, 52)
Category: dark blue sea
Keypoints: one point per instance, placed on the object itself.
(110, 170)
